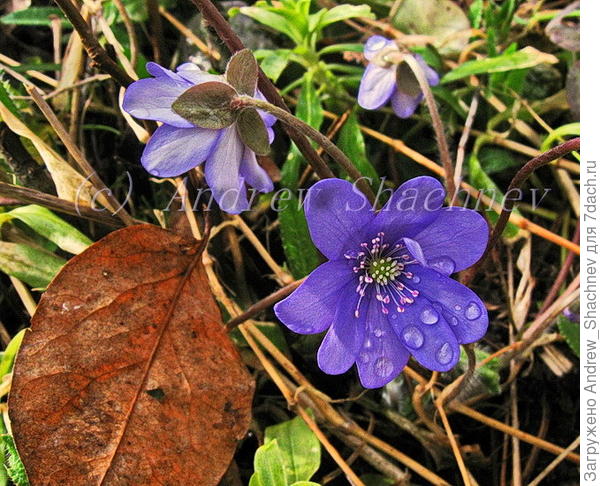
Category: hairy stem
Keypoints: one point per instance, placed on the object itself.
(436, 122)
(298, 125)
(214, 18)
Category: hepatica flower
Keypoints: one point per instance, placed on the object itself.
(387, 78)
(386, 293)
(197, 126)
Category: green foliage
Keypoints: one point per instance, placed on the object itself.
(290, 456)
(8, 355)
(34, 16)
(34, 267)
(50, 226)
(352, 143)
(12, 463)
(570, 331)
(488, 374)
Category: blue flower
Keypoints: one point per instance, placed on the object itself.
(384, 80)
(178, 145)
(385, 293)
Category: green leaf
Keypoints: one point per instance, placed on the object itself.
(305, 483)
(570, 331)
(441, 19)
(524, 58)
(310, 111)
(341, 48)
(376, 480)
(252, 131)
(12, 462)
(299, 446)
(34, 16)
(274, 20)
(343, 12)
(207, 105)
(242, 72)
(7, 101)
(489, 373)
(494, 159)
(481, 181)
(351, 141)
(570, 129)
(300, 252)
(8, 357)
(51, 227)
(274, 62)
(34, 267)
(268, 466)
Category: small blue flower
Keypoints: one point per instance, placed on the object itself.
(385, 293)
(379, 83)
(178, 145)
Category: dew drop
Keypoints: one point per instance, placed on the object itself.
(383, 367)
(416, 279)
(457, 307)
(473, 311)
(445, 354)
(444, 264)
(454, 321)
(429, 316)
(413, 337)
(154, 172)
(377, 332)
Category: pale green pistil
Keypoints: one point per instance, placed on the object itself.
(384, 270)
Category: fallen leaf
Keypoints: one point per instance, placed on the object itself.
(127, 375)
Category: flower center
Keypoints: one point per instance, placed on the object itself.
(383, 267)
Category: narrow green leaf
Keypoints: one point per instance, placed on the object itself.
(522, 59)
(344, 12)
(273, 20)
(352, 142)
(299, 446)
(341, 48)
(274, 62)
(34, 16)
(8, 357)
(300, 252)
(568, 130)
(34, 267)
(268, 466)
(7, 101)
(51, 227)
(570, 331)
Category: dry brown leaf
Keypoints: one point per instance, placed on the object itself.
(127, 376)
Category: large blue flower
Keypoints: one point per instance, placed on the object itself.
(178, 145)
(381, 82)
(385, 293)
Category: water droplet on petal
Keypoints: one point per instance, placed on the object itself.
(429, 316)
(445, 354)
(377, 332)
(453, 321)
(416, 279)
(383, 367)
(457, 307)
(154, 172)
(473, 311)
(443, 264)
(413, 338)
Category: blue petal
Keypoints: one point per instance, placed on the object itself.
(425, 333)
(267, 117)
(455, 240)
(158, 71)
(253, 173)
(459, 305)
(311, 308)
(194, 75)
(382, 355)
(405, 105)
(172, 151)
(412, 207)
(374, 44)
(343, 341)
(151, 99)
(336, 211)
(432, 76)
(222, 172)
(376, 86)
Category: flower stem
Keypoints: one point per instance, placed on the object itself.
(436, 122)
(290, 120)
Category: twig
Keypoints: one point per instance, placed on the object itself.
(95, 51)
(287, 118)
(460, 152)
(214, 18)
(557, 460)
(24, 295)
(84, 165)
(31, 196)
(156, 34)
(130, 28)
(436, 122)
(516, 183)
(263, 304)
